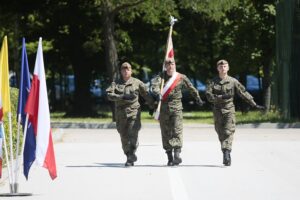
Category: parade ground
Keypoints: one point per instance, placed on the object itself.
(90, 165)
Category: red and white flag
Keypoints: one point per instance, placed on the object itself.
(172, 82)
(170, 85)
(37, 108)
(170, 50)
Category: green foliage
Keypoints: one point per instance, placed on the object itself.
(241, 31)
(199, 117)
(214, 9)
(258, 117)
(31, 47)
(14, 101)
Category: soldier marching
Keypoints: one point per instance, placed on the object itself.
(220, 92)
(125, 93)
(170, 118)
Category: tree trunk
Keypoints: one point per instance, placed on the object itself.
(267, 83)
(111, 55)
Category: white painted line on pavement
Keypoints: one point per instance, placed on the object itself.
(177, 185)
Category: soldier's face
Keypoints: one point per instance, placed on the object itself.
(171, 68)
(223, 69)
(126, 73)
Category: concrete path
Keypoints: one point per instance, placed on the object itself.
(90, 164)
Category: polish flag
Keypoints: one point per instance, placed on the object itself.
(170, 51)
(176, 77)
(37, 108)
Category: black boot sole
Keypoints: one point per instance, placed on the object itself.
(177, 161)
(129, 164)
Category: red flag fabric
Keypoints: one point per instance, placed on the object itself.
(170, 50)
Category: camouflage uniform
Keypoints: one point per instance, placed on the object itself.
(171, 111)
(128, 112)
(220, 93)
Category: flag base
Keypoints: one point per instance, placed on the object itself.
(15, 194)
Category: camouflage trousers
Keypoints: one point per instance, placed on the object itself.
(171, 129)
(225, 126)
(128, 128)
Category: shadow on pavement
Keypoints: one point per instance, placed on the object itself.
(121, 165)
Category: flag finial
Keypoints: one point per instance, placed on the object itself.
(172, 20)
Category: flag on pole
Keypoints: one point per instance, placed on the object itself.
(4, 93)
(39, 115)
(169, 55)
(24, 89)
(4, 82)
(1, 118)
(170, 50)
(172, 82)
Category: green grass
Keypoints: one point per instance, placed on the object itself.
(201, 117)
(59, 117)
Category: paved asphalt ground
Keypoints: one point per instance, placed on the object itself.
(90, 164)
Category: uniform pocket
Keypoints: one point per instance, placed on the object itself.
(228, 89)
(217, 89)
(131, 112)
(119, 89)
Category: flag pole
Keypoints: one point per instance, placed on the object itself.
(172, 22)
(17, 154)
(11, 151)
(6, 157)
(22, 152)
(13, 187)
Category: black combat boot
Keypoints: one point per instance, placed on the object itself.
(226, 157)
(131, 158)
(177, 160)
(128, 163)
(170, 158)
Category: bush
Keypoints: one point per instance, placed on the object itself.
(14, 92)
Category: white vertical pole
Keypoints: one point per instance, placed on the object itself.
(6, 154)
(23, 145)
(17, 150)
(11, 150)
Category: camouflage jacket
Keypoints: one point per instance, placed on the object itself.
(133, 87)
(173, 101)
(220, 92)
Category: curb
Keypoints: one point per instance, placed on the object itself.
(83, 125)
(270, 125)
(112, 125)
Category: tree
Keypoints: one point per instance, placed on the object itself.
(250, 31)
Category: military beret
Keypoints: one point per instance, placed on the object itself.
(126, 65)
(169, 60)
(222, 62)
